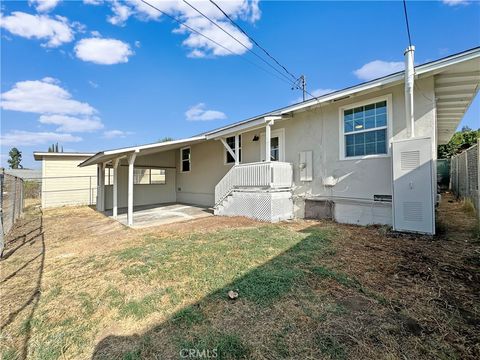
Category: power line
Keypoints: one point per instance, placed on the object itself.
(295, 78)
(406, 22)
(238, 41)
(181, 23)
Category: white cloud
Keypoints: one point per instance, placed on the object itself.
(111, 134)
(199, 113)
(56, 30)
(138, 44)
(93, 84)
(378, 68)
(72, 124)
(93, 2)
(198, 46)
(103, 51)
(95, 33)
(29, 138)
(43, 97)
(456, 2)
(44, 5)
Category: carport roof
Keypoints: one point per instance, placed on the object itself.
(108, 155)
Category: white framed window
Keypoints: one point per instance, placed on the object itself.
(109, 176)
(231, 142)
(365, 129)
(148, 176)
(185, 159)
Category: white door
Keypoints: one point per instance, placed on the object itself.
(413, 196)
(277, 145)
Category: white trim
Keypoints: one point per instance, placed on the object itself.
(225, 152)
(280, 133)
(189, 159)
(342, 155)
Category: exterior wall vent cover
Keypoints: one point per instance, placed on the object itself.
(413, 211)
(409, 160)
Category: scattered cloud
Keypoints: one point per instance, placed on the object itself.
(315, 93)
(112, 134)
(138, 44)
(44, 5)
(93, 84)
(68, 124)
(103, 51)
(95, 33)
(456, 2)
(378, 68)
(43, 97)
(93, 2)
(29, 138)
(200, 113)
(56, 30)
(198, 46)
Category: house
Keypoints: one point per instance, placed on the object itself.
(64, 182)
(362, 155)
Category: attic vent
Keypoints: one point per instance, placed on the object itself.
(410, 159)
(413, 211)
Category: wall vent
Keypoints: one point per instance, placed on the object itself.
(413, 211)
(409, 160)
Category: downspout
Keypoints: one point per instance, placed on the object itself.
(409, 85)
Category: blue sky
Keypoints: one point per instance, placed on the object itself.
(95, 75)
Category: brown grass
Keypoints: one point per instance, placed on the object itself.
(76, 284)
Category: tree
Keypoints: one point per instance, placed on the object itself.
(460, 141)
(165, 139)
(55, 148)
(15, 159)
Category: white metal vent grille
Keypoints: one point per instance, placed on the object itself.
(413, 211)
(409, 160)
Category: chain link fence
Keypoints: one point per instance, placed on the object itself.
(11, 204)
(464, 175)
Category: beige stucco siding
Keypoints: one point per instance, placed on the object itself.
(64, 183)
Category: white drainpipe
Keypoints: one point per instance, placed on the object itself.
(409, 84)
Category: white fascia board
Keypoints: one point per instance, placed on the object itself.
(38, 155)
(247, 126)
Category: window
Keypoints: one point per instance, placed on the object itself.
(185, 161)
(275, 149)
(365, 130)
(109, 176)
(231, 142)
(146, 176)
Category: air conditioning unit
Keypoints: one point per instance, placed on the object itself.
(413, 195)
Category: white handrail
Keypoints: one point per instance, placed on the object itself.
(273, 174)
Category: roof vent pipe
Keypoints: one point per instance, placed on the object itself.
(409, 84)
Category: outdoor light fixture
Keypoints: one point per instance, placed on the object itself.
(255, 138)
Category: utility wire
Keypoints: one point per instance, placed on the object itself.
(238, 41)
(406, 22)
(295, 78)
(181, 23)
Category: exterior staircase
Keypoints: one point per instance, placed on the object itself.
(261, 191)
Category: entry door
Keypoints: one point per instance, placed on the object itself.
(277, 145)
(413, 196)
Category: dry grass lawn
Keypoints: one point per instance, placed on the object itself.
(77, 285)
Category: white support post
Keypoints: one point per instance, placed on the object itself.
(237, 150)
(101, 187)
(268, 134)
(131, 161)
(115, 187)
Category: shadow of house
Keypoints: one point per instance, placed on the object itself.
(273, 316)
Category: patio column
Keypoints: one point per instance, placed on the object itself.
(268, 145)
(101, 187)
(131, 161)
(237, 150)
(115, 187)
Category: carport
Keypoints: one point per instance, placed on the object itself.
(139, 183)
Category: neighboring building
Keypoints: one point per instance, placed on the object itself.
(26, 174)
(364, 155)
(63, 182)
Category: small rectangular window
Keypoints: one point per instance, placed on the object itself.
(185, 160)
(231, 142)
(365, 130)
(157, 176)
(109, 176)
(147, 176)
